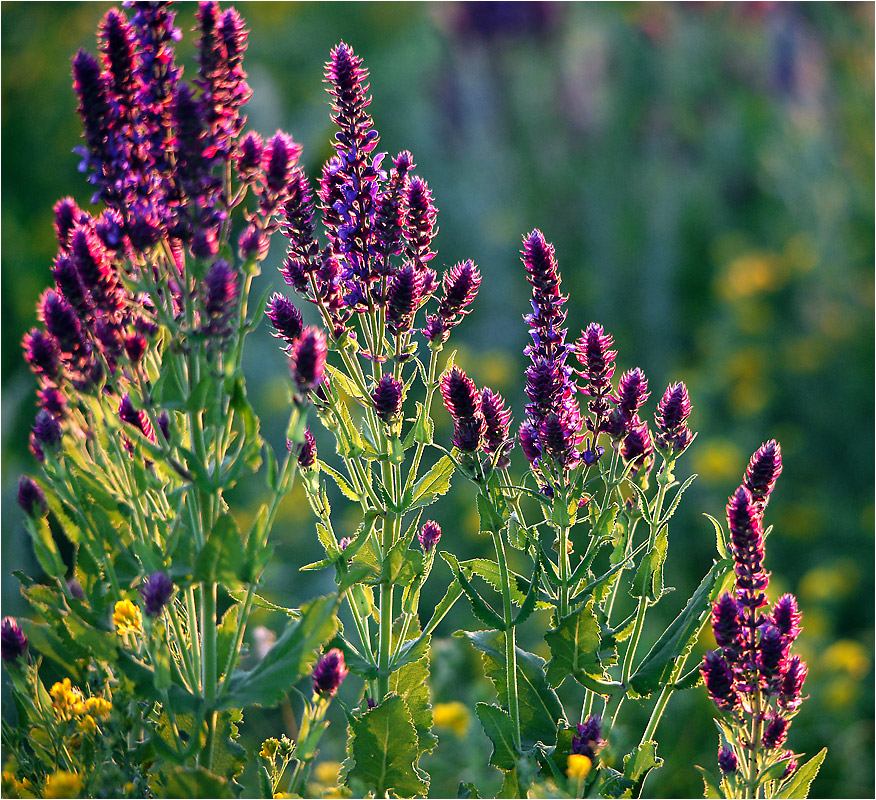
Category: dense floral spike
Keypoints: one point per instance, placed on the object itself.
(674, 408)
(763, 470)
(746, 541)
(727, 760)
(52, 400)
(587, 739)
(156, 592)
(41, 353)
(220, 290)
(137, 418)
(285, 318)
(13, 641)
(389, 216)
(528, 438)
(632, 392)
(307, 358)
(459, 289)
(461, 397)
(791, 687)
(95, 269)
(775, 732)
(387, 397)
(727, 623)
(279, 159)
(497, 420)
(329, 673)
(429, 535)
(596, 357)
(420, 217)
(67, 215)
(718, 677)
(637, 446)
(786, 616)
(46, 430)
(91, 91)
(31, 497)
(557, 440)
(403, 298)
(248, 158)
(307, 454)
(772, 653)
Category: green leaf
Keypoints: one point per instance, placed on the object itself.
(189, 782)
(711, 786)
(288, 660)
(480, 607)
(720, 539)
(529, 601)
(648, 581)
(411, 682)
(639, 763)
(490, 518)
(433, 484)
(343, 484)
(489, 571)
(385, 751)
(656, 667)
(673, 506)
(45, 549)
(499, 728)
(800, 782)
(402, 564)
(222, 558)
(574, 646)
(540, 708)
(424, 428)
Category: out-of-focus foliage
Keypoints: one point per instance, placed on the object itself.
(716, 159)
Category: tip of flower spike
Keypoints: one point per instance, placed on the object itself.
(429, 535)
(763, 470)
(329, 673)
(13, 641)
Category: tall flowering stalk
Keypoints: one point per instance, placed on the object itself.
(144, 423)
(752, 677)
(387, 311)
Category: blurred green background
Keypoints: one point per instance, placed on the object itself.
(706, 173)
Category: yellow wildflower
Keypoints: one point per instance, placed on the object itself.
(67, 700)
(87, 724)
(98, 707)
(269, 748)
(578, 767)
(63, 784)
(327, 772)
(453, 716)
(12, 787)
(127, 618)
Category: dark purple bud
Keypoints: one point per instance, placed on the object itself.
(632, 391)
(763, 470)
(278, 160)
(461, 397)
(156, 592)
(61, 322)
(528, 437)
(596, 357)
(109, 228)
(461, 284)
(205, 242)
(136, 418)
(404, 296)
(497, 418)
(75, 589)
(786, 616)
(329, 673)
(41, 353)
(429, 535)
(557, 440)
(436, 331)
(587, 740)
(70, 284)
(387, 397)
(591, 455)
(95, 269)
(307, 454)
(775, 733)
(540, 262)
(746, 543)
(285, 318)
(420, 217)
(46, 431)
(135, 347)
(31, 498)
(791, 686)
(468, 433)
(727, 760)
(727, 622)
(637, 446)
(220, 290)
(253, 244)
(117, 47)
(307, 358)
(718, 677)
(13, 642)
(52, 400)
(344, 543)
(772, 655)
(298, 216)
(674, 408)
(790, 767)
(67, 216)
(249, 157)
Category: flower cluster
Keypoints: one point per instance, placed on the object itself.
(481, 420)
(752, 676)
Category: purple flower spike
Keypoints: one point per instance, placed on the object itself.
(387, 397)
(497, 419)
(763, 470)
(404, 297)
(278, 161)
(249, 157)
(791, 686)
(775, 733)
(220, 290)
(429, 535)
(307, 358)
(637, 446)
(156, 592)
(727, 623)
(329, 673)
(46, 431)
(727, 760)
(31, 498)
(285, 318)
(786, 616)
(67, 216)
(746, 541)
(137, 418)
(41, 353)
(420, 217)
(772, 653)
(596, 357)
(13, 641)
(62, 323)
(389, 216)
(718, 677)
(468, 434)
(674, 408)
(557, 440)
(461, 397)
(307, 455)
(528, 437)
(587, 740)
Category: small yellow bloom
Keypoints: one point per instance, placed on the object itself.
(269, 748)
(87, 725)
(578, 767)
(453, 716)
(99, 707)
(63, 784)
(127, 618)
(326, 772)
(67, 700)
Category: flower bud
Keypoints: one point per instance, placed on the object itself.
(307, 358)
(13, 641)
(329, 673)
(31, 498)
(156, 591)
(429, 535)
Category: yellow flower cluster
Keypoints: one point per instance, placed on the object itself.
(12, 787)
(578, 766)
(127, 619)
(69, 703)
(63, 784)
(453, 716)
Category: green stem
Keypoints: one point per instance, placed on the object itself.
(208, 626)
(510, 643)
(563, 558)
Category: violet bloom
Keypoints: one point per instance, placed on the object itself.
(637, 446)
(67, 216)
(41, 353)
(387, 397)
(673, 435)
(420, 221)
(557, 440)
(156, 592)
(13, 641)
(463, 402)
(429, 535)
(718, 677)
(791, 686)
(31, 498)
(459, 289)
(329, 673)
(135, 347)
(497, 422)
(772, 654)
(596, 357)
(278, 162)
(248, 158)
(775, 732)
(46, 432)
(727, 623)
(587, 739)
(307, 453)
(632, 392)
(52, 400)
(763, 470)
(389, 216)
(307, 358)
(285, 318)
(62, 323)
(786, 616)
(220, 290)
(727, 760)
(746, 543)
(137, 418)
(403, 297)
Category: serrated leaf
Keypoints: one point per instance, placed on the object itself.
(800, 782)
(720, 539)
(673, 506)
(489, 571)
(287, 661)
(499, 728)
(411, 682)
(343, 484)
(639, 763)
(189, 782)
(711, 787)
(656, 667)
(45, 549)
(574, 646)
(401, 564)
(222, 558)
(384, 748)
(433, 484)
(648, 581)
